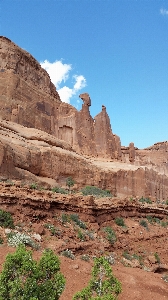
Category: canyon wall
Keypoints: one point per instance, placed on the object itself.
(31, 155)
(29, 98)
(45, 139)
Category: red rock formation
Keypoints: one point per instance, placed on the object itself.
(104, 138)
(27, 95)
(29, 98)
(33, 155)
(40, 148)
(92, 137)
(131, 152)
(155, 157)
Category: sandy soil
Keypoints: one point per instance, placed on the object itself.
(141, 277)
(137, 284)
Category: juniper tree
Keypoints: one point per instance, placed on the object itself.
(23, 278)
(103, 284)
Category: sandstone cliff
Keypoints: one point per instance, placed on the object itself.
(32, 155)
(29, 98)
(45, 140)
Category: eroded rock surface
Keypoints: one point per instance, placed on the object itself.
(28, 97)
(44, 139)
(30, 154)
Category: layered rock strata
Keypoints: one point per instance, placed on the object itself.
(34, 156)
(45, 203)
(43, 139)
(29, 98)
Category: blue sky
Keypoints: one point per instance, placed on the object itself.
(116, 50)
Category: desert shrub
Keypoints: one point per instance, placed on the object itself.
(75, 218)
(81, 236)
(131, 257)
(145, 200)
(164, 223)
(119, 221)
(1, 240)
(6, 219)
(166, 202)
(95, 191)
(153, 220)
(70, 182)
(110, 235)
(156, 255)
(65, 218)
(54, 230)
(85, 257)
(139, 258)
(150, 219)
(103, 284)
(33, 186)
(59, 190)
(23, 278)
(165, 277)
(90, 234)
(16, 238)
(143, 223)
(68, 253)
(9, 182)
(127, 255)
(110, 258)
(156, 220)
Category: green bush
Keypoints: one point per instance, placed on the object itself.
(150, 219)
(54, 230)
(75, 218)
(103, 284)
(85, 257)
(6, 219)
(90, 234)
(164, 224)
(110, 235)
(1, 240)
(127, 255)
(119, 221)
(33, 186)
(156, 220)
(70, 182)
(95, 191)
(23, 278)
(81, 236)
(130, 257)
(9, 182)
(139, 258)
(68, 253)
(16, 238)
(144, 224)
(59, 190)
(145, 200)
(156, 255)
(153, 220)
(65, 218)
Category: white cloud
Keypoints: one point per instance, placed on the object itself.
(80, 82)
(163, 11)
(59, 72)
(65, 94)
